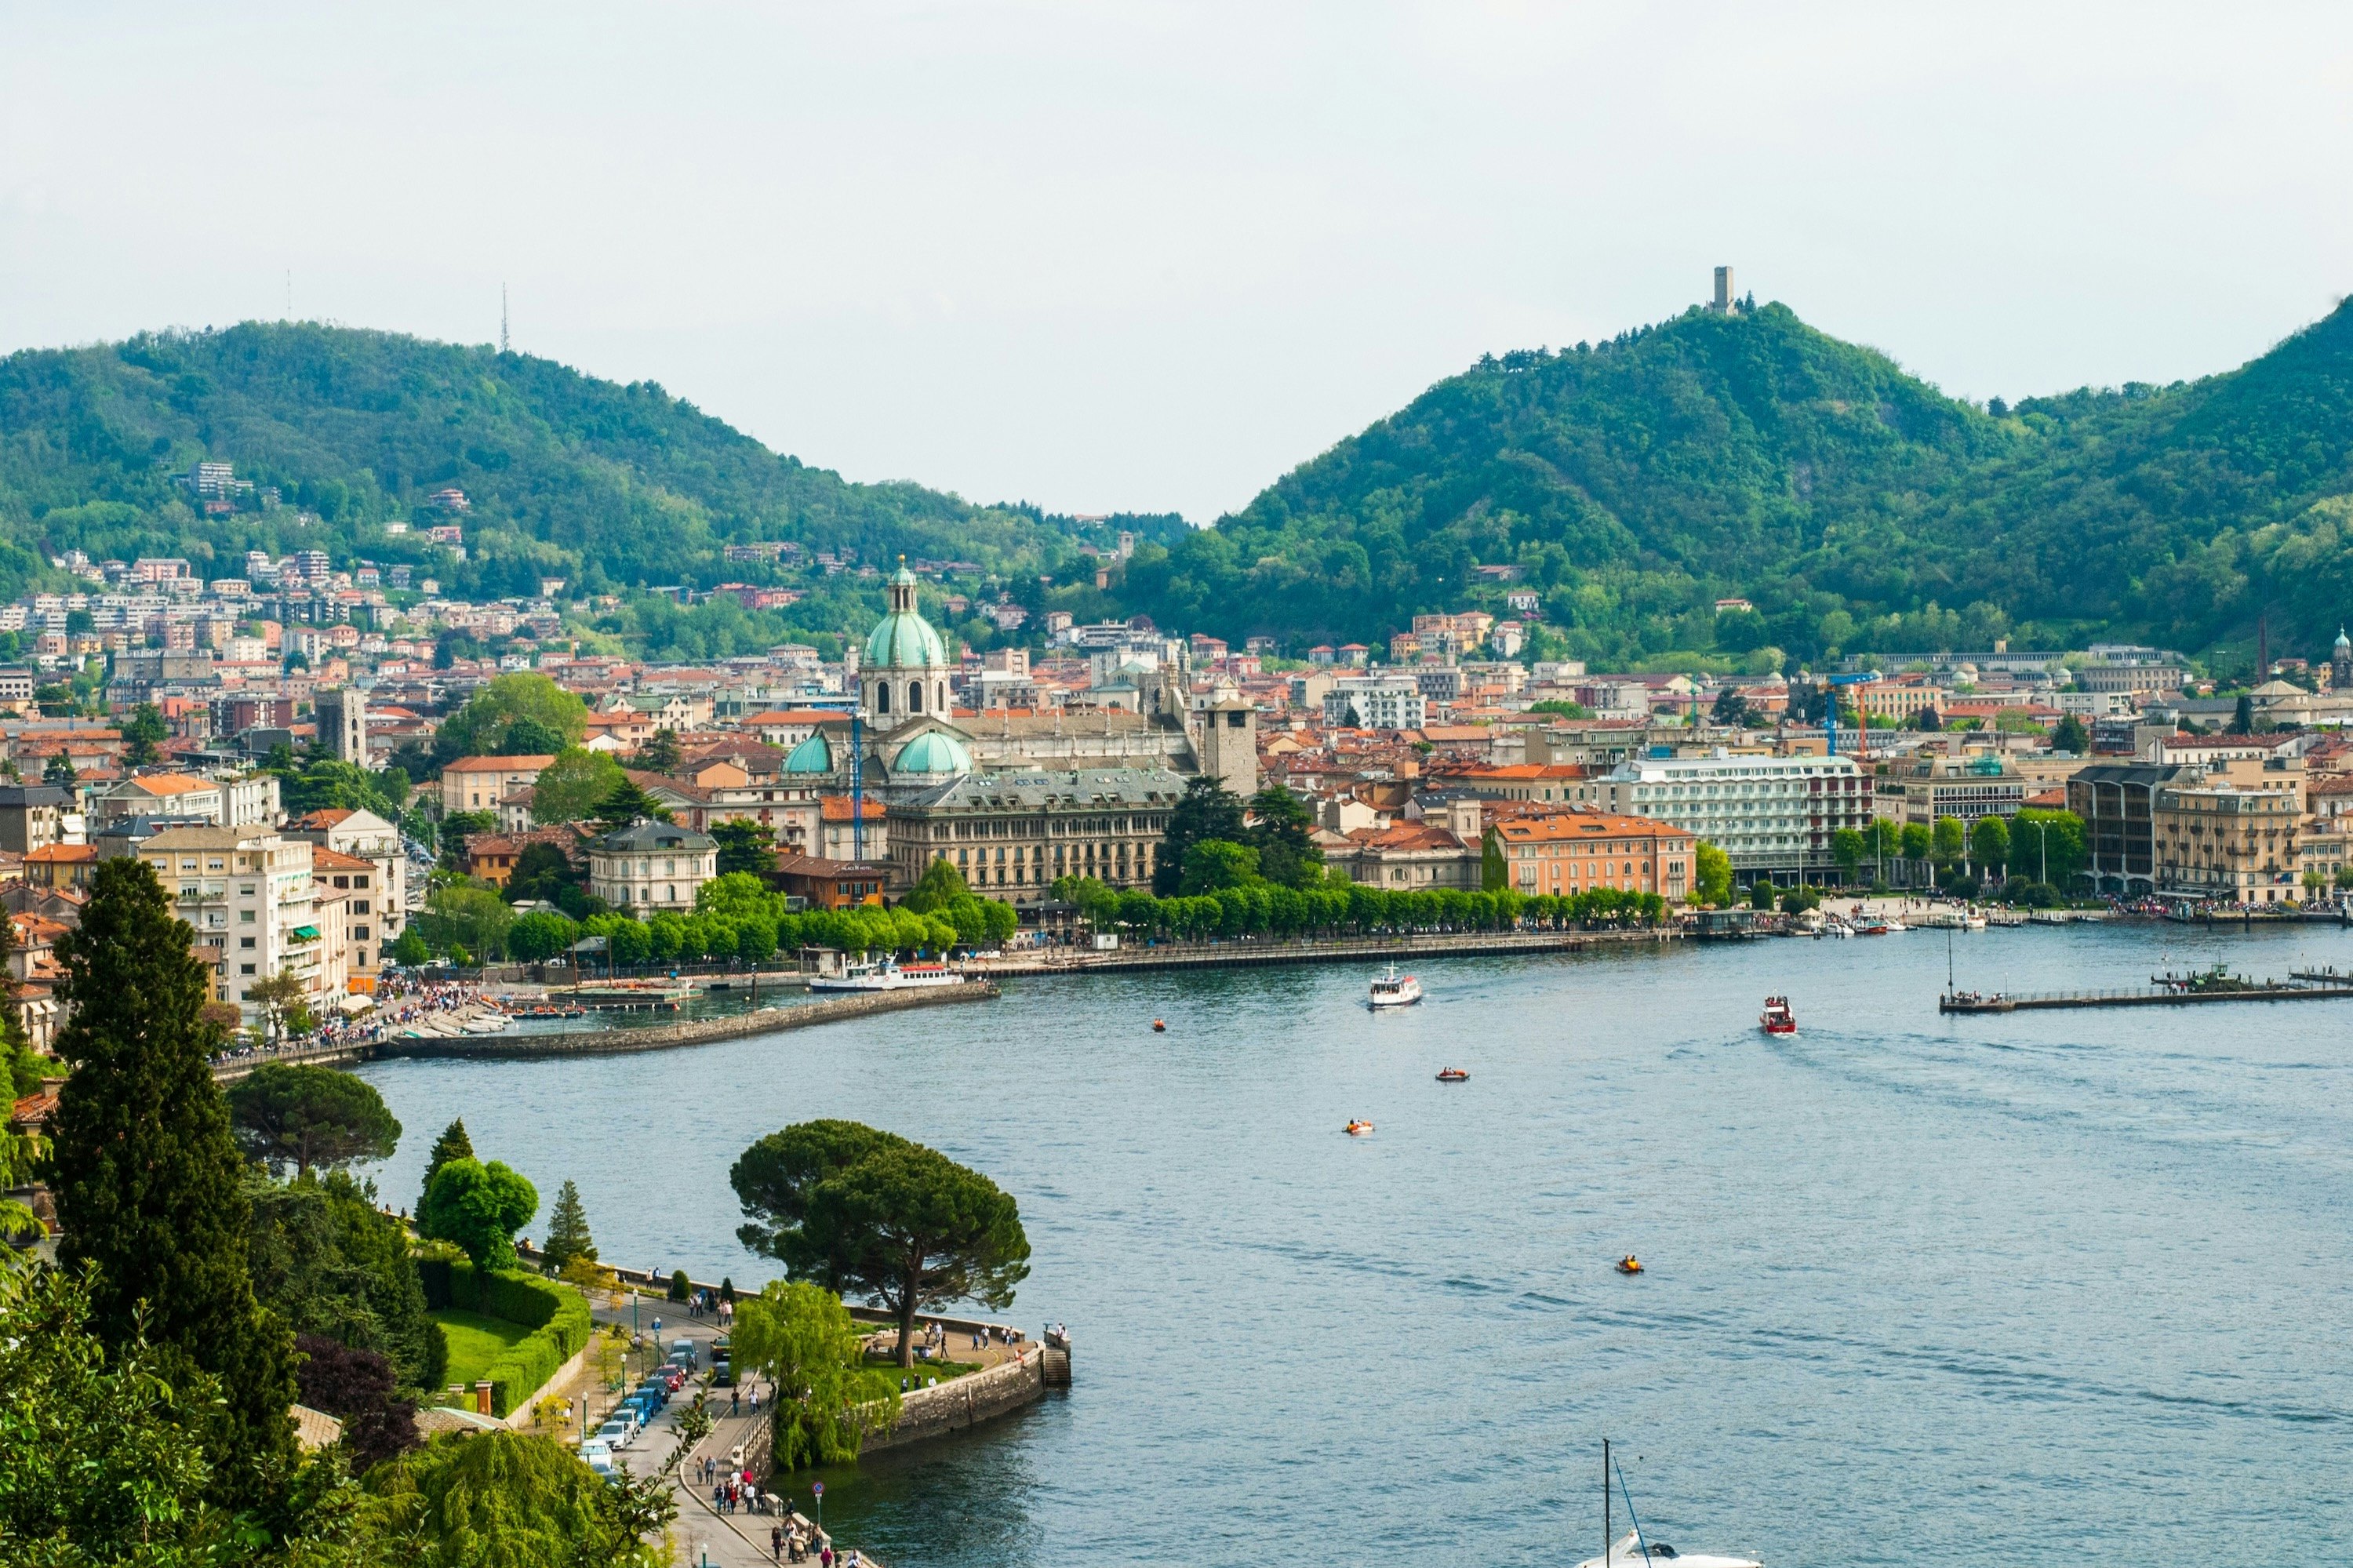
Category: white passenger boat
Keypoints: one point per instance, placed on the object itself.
(487, 1024)
(887, 974)
(1394, 989)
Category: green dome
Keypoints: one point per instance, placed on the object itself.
(812, 756)
(932, 752)
(904, 640)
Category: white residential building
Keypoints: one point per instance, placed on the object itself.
(1377, 702)
(247, 893)
(1772, 815)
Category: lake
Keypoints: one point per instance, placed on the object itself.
(2048, 1288)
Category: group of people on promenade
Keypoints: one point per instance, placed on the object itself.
(400, 998)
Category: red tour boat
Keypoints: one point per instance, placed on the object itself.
(1777, 1019)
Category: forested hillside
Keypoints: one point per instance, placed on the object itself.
(1636, 482)
(610, 486)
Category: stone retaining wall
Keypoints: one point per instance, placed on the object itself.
(965, 1401)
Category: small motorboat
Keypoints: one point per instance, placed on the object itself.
(1632, 1552)
(1158, 1027)
(1776, 1018)
(1394, 989)
(1452, 1076)
(1629, 1264)
(1358, 1128)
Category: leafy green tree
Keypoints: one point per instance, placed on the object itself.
(410, 951)
(1281, 827)
(1989, 844)
(1927, 721)
(479, 1207)
(142, 732)
(1711, 874)
(285, 1004)
(148, 1178)
(96, 1467)
(853, 1208)
(1919, 843)
(327, 1261)
(459, 916)
(59, 771)
(2047, 846)
(941, 884)
(1761, 894)
(527, 736)
(452, 1145)
(2069, 734)
(307, 1115)
(478, 729)
(1731, 708)
(491, 1499)
(1948, 841)
(626, 803)
(659, 754)
(804, 1340)
(1212, 864)
(1847, 847)
(746, 846)
(542, 870)
(567, 1230)
(539, 935)
(2242, 717)
(1206, 809)
(570, 787)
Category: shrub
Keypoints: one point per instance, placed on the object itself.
(556, 1315)
(679, 1285)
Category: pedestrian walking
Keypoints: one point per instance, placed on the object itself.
(777, 1543)
(734, 1401)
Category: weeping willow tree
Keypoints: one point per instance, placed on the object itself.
(802, 1337)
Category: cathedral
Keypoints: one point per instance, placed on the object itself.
(1014, 802)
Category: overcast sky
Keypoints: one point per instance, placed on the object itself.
(1150, 256)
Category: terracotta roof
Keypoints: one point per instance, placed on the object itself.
(1408, 836)
(325, 859)
(1583, 824)
(835, 809)
(324, 817)
(61, 855)
(495, 764)
(172, 783)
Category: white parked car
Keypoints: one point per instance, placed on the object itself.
(615, 1434)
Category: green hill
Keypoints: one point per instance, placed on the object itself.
(610, 486)
(1634, 483)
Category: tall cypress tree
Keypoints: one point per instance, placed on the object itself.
(567, 1231)
(453, 1144)
(148, 1178)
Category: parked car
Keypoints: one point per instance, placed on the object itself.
(684, 1352)
(615, 1434)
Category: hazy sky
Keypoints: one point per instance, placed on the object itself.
(1150, 256)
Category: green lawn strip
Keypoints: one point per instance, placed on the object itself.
(944, 1370)
(475, 1342)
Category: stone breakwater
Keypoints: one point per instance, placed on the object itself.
(968, 1401)
(1244, 953)
(691, 1031)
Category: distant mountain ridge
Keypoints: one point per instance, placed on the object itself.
(607, 485)
(1634, 483)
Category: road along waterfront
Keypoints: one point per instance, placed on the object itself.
(2038, 1287)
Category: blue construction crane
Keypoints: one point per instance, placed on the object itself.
(1829, 720)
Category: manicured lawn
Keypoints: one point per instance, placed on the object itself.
(944, 1370)
(474, 1342)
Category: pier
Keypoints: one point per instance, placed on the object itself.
(2155, 996)
(1245, 953)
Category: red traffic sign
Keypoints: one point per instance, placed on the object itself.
(816, 1488)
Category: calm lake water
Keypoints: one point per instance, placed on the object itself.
(2058, 1288)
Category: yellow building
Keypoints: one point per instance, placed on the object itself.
(2217, 841)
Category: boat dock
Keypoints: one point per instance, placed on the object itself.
(2155, 996)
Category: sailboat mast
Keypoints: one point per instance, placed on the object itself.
(1605, 1503)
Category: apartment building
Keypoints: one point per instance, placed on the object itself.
(32, 817)
(351, 903)
(243, 800)
(247, 893)
(1922, 790)
(366, 836)
(2221, 842)
(480, 783)
(1013, 834)
(1567, 852)
(1772, 815)
(1375, 702)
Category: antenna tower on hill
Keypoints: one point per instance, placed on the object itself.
(503, 318)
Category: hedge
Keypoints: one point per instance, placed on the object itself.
(556, 1314)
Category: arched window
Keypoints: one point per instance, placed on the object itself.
(915, 697)
(881, 696)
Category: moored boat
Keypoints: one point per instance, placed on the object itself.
(887, 975)
(1394, 989)
(1358, 1128)
(1452, 1076)
(1776, 1018)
